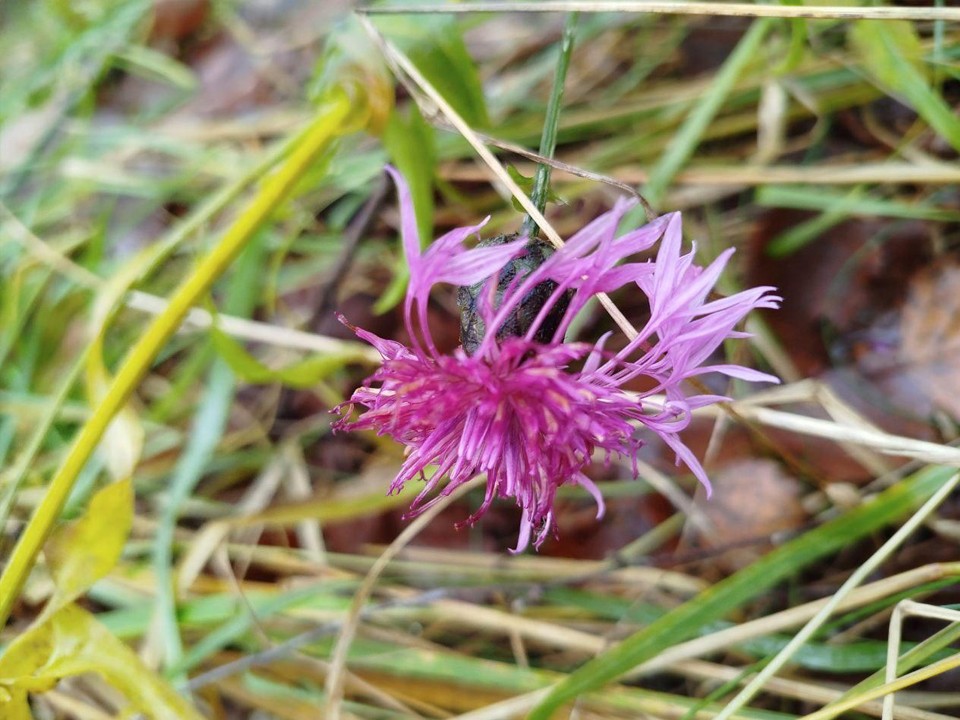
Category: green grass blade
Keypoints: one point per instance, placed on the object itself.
(890, 52)
(336, 119)
(684, 143)
(686, 620)
(209, 424)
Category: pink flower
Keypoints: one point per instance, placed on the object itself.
(530, 414)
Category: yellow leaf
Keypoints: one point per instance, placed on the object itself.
(85, 550)
(123, 440)
(122, 443)
(71, 642)
(14, 705)
(886, 47)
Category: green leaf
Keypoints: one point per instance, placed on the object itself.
(527, 184)
(851, 202)
(891, 53)
(351, 56)
(411, 146)
(301, 374)
(685, 621)
(85, 550)
(395, 291)
(155, 65)
(71, 642)
(435, 45)
(207, 428)
(886, 47)
(797, 48)
(835, 207)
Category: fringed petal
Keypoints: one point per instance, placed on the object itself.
(531, 416)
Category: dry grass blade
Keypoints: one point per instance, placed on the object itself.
(907, 608)
(336, 677)
(791, 618)
(681, 7)
(283, 337)
(740, 175)
(796, 689)
(506, 710)
(938, 668)
(843, 432)
(858, 576)
(196, 318)
(407, 68)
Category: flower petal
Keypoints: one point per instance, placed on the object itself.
(531, 416)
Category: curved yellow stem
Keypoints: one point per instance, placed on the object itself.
(336, 118)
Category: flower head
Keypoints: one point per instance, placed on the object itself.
(528, 410)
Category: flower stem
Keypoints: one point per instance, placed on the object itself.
(548, 140)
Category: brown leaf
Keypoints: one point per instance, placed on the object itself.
(930, 339)
(838, 286)
(752, 500)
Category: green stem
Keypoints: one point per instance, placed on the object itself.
(548, 140)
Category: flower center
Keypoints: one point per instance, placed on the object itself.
(471, 299)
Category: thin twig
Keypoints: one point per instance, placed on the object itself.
(470, 172)
(354, 233)
(840, 432)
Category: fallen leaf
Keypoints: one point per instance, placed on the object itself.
(930, 339)
(752, 501)
(178, 19)
(848, 282)
(71, 642)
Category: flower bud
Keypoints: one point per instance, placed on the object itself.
(472, 326)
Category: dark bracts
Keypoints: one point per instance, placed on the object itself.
(472, 327)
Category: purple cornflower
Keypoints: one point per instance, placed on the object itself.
(531, 414)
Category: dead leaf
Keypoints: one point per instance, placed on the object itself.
(848, 282)
(930, 338)
(752, 501)
(178, 19)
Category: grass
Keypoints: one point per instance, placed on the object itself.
(134, 220)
